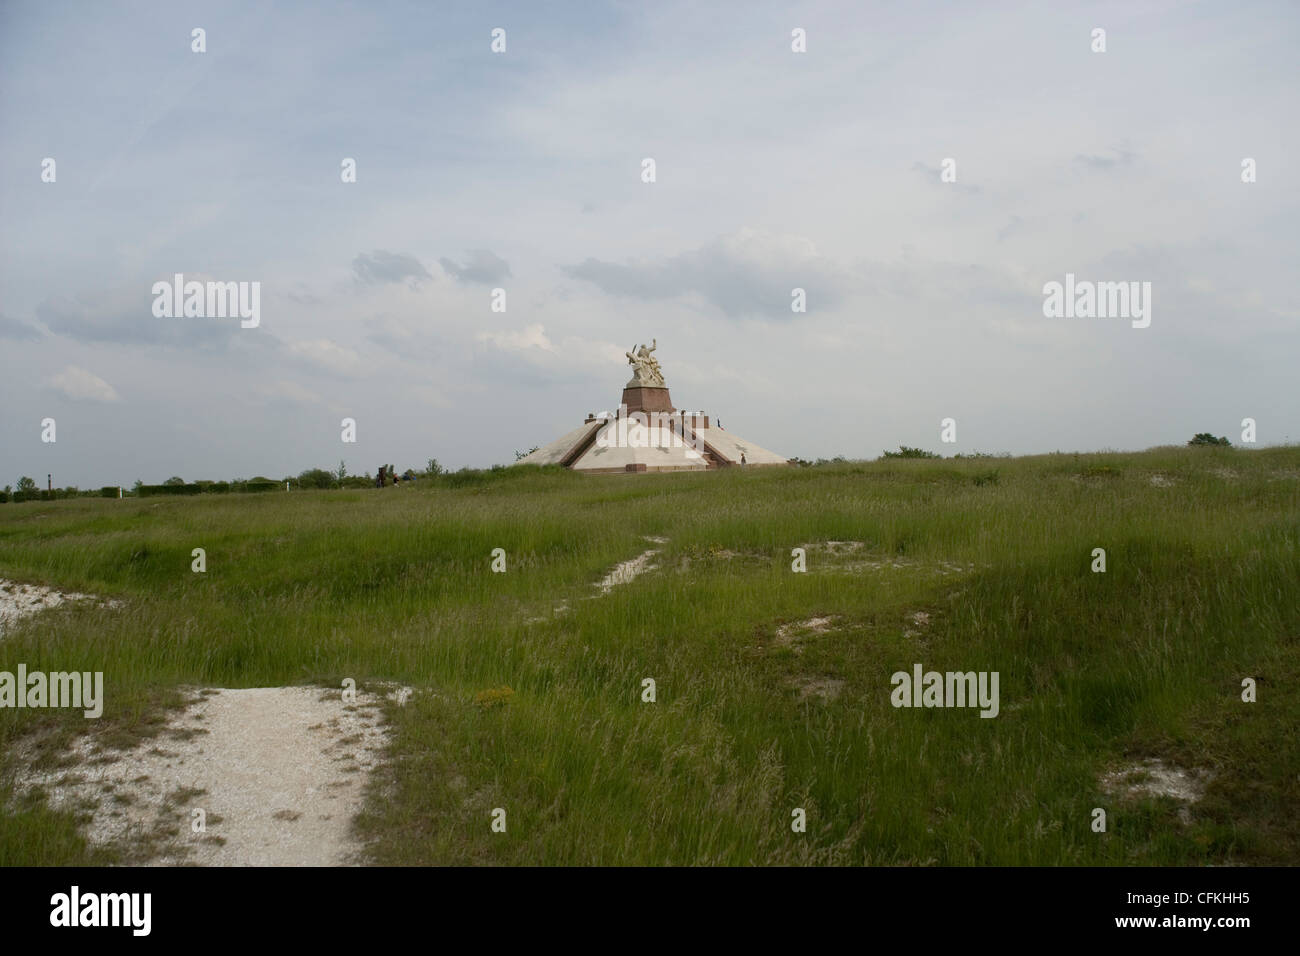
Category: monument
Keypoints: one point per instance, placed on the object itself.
(648, 434)
(646, 389)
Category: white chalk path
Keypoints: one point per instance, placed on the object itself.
(279, 773)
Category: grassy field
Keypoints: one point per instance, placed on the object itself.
(754, 715)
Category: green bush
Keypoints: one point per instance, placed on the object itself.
(255, 486)
(108, 491)
(905, 452)
(146, 491)
(316, 478)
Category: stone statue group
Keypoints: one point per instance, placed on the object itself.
(645, 367)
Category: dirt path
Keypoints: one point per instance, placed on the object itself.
(279, 773)
(630, 570)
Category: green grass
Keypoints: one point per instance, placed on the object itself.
(1202, 589)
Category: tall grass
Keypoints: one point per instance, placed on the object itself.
(1202, 589)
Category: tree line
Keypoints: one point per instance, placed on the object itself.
(312, 478)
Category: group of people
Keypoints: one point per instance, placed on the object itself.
(387, 475)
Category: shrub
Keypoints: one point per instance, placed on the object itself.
(145, 491)
(1205, 438)
(316, 478)
(905, 452)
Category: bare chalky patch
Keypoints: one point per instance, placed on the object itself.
(823, 688)
(791, 634)
(628, 571)
(22, 600)
(920, 621)
(854, 557)
(1156, 778)
(278, 773)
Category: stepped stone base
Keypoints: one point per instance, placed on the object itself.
(644, 398)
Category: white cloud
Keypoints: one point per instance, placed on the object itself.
(327, 354)
(531, 337)
(572, 351)
(80, 385)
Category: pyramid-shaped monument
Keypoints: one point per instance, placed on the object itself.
(648, 434)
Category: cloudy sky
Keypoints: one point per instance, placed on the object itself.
(522, 171)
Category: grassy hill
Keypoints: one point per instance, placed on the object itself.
(773, 687)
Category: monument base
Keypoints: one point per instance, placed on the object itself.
(648, 435)
(647, 398)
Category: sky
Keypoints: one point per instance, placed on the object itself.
(523, 170)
